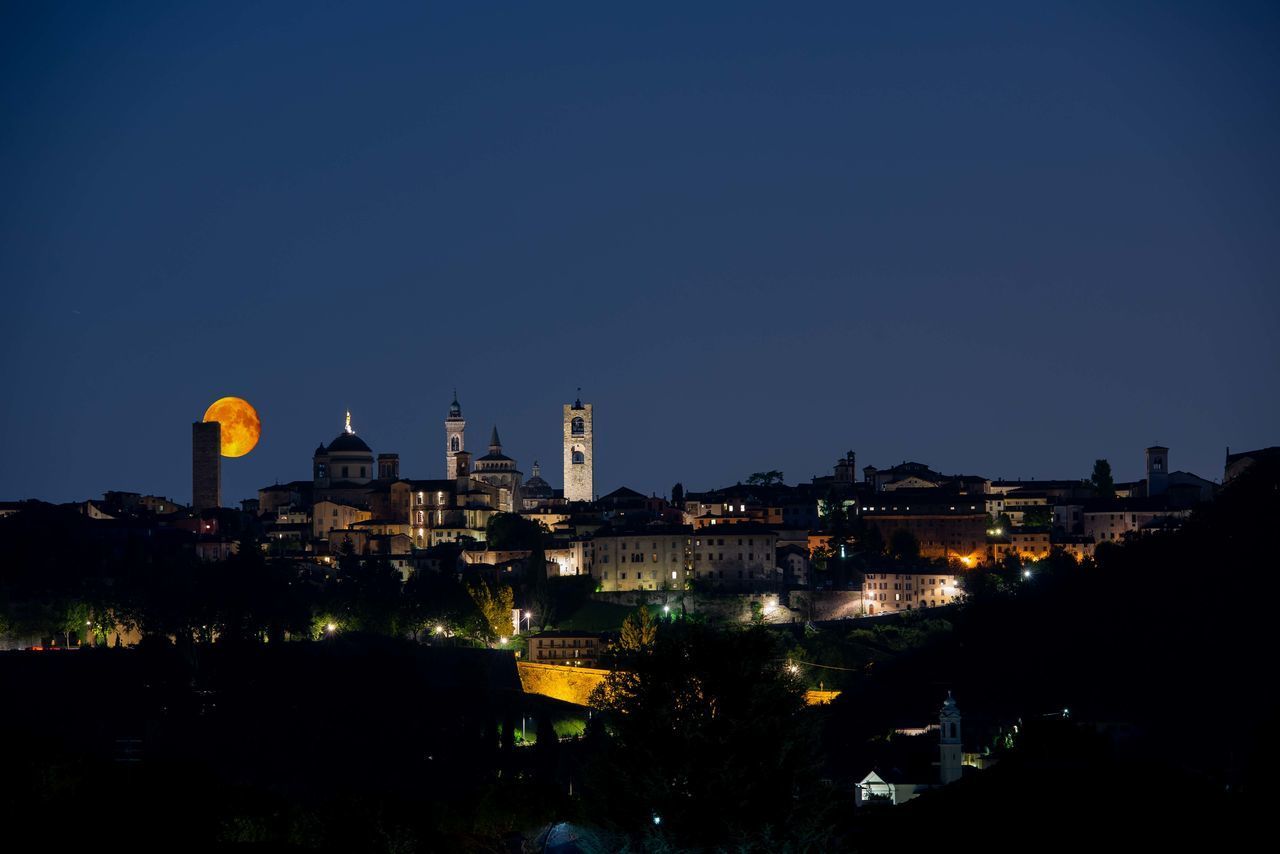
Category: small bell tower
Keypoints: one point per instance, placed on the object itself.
(952, 752)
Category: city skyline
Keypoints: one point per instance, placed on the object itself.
(290, 457)
(584, 427)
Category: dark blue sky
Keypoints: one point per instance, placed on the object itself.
(996, 238)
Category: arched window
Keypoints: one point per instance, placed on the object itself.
(453, 444)
(579, 426)
(578, 458)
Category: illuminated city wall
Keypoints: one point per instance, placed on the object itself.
(570, 684)
(575, 684)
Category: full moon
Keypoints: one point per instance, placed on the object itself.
(240, 425)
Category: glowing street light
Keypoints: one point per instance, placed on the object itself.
(439, 630)
(503, 640)
(330, 628)
(1026, 573)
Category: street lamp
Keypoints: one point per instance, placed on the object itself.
(330, 628)
(528, 616)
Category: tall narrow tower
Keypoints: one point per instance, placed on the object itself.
(578, 481)
(1157, 470)
(952, 752)
(454, 442)
(206, 465)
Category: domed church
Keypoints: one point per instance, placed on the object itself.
(347, 459)
(497, 469)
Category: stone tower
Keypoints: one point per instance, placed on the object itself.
(846, 471)
(388, 466)
(454, 441)
(1157, 470)
(206, 465)
(952, 752)
(578, 482)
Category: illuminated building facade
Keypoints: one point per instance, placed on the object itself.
(890, 591)
(946, 525)
(654, 557)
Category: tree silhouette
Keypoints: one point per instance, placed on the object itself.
(1103, 483)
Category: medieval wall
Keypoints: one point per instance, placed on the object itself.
(570, 684)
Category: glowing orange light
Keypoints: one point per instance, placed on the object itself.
(240, 425)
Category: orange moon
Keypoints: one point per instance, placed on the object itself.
(240, 425)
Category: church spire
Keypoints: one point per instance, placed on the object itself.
(495, 444)
(348, 427)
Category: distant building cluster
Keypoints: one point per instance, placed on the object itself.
(760, 535)
(913, 532)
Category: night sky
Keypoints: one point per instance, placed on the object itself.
(1000, 239)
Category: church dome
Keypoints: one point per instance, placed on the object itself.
(350, 443)
(536, 487)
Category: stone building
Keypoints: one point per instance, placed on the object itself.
(573, 556)
(946, 525)
(573, 649)
(651, 557)
(579, 483)
(536, 492)
(887, 591)
(345, 462)
(330, 515)
(454, 437)
(1112, 521)
(206, 465)
(497, 469)
(741, 555)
